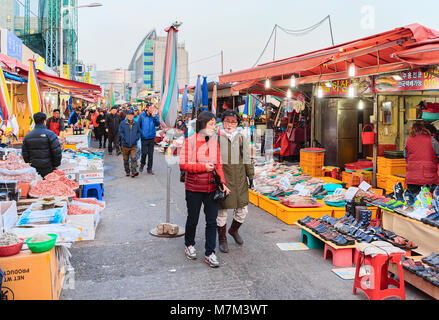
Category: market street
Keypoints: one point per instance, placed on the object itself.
(126, 262)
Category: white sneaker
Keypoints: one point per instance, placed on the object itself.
(190, 252)
(212, 260)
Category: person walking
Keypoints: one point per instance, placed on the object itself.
(129, 132)
(100, 131)
(112, 123)
(421, 153)
(239, 174)
(139, 142)
(55, 123)
(93, 117)
(148, 121)
(41, 147)
(200, 158)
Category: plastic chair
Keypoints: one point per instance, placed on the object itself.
(379, 280)
(93, 191)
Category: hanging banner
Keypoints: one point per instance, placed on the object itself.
(408, 81)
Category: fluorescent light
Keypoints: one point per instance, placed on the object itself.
(328, 84)
(319, 92)
(289, 94)
(351, 91)
(293, 81)
(267, 83)
(352, 70)
(361, 105)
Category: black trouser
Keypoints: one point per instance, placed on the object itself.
(113, 138)
(147, 150)
(193, 202)
(44, 171)
(99, 137)
(414, 188)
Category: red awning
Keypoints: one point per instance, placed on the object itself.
(12, 64)
(422, 53)
(371, 52)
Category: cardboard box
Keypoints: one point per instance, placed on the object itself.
(8, 215)
(32, 276)
(81, 141)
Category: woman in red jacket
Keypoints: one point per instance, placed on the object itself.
(199, 157)
(421, 151)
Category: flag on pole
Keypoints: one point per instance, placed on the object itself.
(168, 107)
(251, 102)
(197, 95)
(34, 98)
(214, 98)
(111, 98)
(204, 95)
(5, 101)
(184, 101)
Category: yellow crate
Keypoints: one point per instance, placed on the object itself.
(268, 205)
(313, 171)
(253, 197)
(292, 215)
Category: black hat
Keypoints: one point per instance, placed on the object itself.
(113, 107)
(130, 111)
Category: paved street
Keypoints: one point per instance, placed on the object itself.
(126, 262)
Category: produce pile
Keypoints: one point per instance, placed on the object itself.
(295, 201)
(13, 162)
(58, 175)
(76, 210)
(8, 239)
(40, 238)
(91, 201)
(46, 188)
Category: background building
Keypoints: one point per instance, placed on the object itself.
(148, 62)
(121, 80)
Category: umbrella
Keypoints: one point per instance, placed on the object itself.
(214, 97)
(5, 101)
(169, 100)
(184, 100)
(197, 96)
(35, 100)
(204, 95)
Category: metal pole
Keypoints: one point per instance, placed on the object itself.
(222, 62)
(168, 195)
(375, 145)
(61, 56)
(275, 36)
(330, 28)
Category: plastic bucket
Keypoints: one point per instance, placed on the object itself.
(368, 137)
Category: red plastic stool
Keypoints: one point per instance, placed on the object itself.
(379, 280)
(366, 258)
(340, 257)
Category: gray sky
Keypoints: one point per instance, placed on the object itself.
(109, 35)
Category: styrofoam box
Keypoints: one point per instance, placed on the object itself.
(8, 215)
(87, 223)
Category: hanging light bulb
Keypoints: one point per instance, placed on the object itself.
(361, 105)
(289, 94)
(293, 81)
(351, 91)
(320, 92)
(267, 83)
(328, 84)
(352, 70)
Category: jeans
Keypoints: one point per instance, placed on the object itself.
(193, 202)
(139, 149)
(147, 150)
(127, 154)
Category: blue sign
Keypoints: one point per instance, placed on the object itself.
(14, 45)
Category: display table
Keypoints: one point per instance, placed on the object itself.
(416, 281)
(342, 256)
(81, 141)
(425, 236)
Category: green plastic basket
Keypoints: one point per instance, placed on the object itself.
(38, 247)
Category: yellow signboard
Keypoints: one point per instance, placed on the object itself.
(40, 63)
(66, 71)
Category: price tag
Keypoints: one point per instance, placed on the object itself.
(350, 194)
(364, 186)
(339, 191)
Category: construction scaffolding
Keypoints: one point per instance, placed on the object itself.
(41, 31)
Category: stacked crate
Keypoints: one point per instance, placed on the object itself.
(312, 161)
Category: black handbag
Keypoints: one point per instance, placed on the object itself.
(219, 195)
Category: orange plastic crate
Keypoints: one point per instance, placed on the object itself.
(312, 159)
(268, 205)
(313, 171)
(253, 197)
(291, 215)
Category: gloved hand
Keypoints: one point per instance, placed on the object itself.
(250, 183)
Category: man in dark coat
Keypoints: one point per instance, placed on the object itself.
(112, 123)
(41, 148)
(130, 133)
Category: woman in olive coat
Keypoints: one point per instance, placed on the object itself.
(239, 174)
